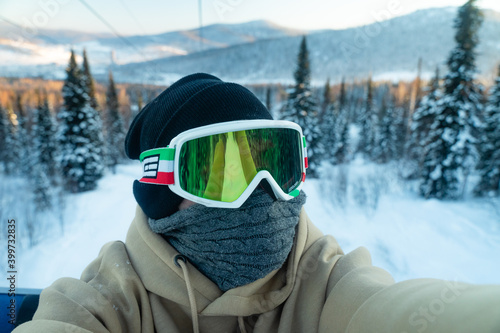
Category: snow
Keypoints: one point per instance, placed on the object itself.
(92, 219)
(406, 235)
(402, 75)
(28, 53)
(412, 237)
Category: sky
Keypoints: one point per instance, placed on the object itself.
(128, 17)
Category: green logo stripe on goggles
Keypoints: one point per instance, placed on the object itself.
(221, 164)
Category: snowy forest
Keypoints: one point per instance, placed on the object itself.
(438, 139)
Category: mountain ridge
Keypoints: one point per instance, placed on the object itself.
(262, 51)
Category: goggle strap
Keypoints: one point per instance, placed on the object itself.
(158, 166)
(306, 162)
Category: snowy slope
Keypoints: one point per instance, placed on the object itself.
(408, 236)
(92, 219)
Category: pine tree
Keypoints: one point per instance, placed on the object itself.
(342, 99)
(368, 121)
(44, 171)
(489, 163)
(327, 122)
(12, 145)
(4, 128)
(421, 124)
(452, 151)
(80, 134)
(89, 81)
(23, 146)
(341, 149)
(115, 131)
(383, 150)
(302, 108)
(335, 128)
(327, 97)
(416, 89)
(401, 114)
(140, 102)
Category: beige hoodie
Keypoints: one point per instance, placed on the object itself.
(138, 287)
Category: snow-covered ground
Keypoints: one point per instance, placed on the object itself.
(408, 236)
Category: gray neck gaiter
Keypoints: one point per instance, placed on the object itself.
(234, 247)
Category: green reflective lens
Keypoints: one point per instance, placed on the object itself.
(220, 167)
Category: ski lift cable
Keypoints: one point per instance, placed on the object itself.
(147, 68)
(113, 30)
(137, 22)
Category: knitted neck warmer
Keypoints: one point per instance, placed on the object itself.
(234, 247)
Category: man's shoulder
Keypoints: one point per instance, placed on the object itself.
(112, 261)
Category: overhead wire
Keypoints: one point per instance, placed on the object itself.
(116, 33)
(132, 15)
(110, 27)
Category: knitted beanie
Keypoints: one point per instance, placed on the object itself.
(195, 100)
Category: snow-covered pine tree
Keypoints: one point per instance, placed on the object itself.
(452, 152)
(489, 163)
(421, 125)
(416, 89)
(80, 134)
(401, 115)
(12, 155)
(327, 121)
(3, 138)
(383, 150)
(44, 170)
(23, 147)
(327, 97)
(367, 121)
(89, 81)
(341, 149)
(115, 131)
(302, 108)
(342, 99)
(96, 132)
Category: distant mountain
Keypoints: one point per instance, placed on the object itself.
(261, 51)
(47, 36)
(40, 54)
(387, 49)
(213, 36)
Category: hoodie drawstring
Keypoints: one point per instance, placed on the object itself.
(241, 323)
(180, 261)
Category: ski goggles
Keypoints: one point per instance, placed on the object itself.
(220, 165)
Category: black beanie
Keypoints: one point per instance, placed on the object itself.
(193, 101)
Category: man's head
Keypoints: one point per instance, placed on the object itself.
(193, 101)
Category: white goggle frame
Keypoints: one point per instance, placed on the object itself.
(199, 132)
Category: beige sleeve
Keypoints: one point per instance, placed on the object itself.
(71, 305)
(108, 298)
(363, 298)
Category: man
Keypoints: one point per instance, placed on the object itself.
(220, 242)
